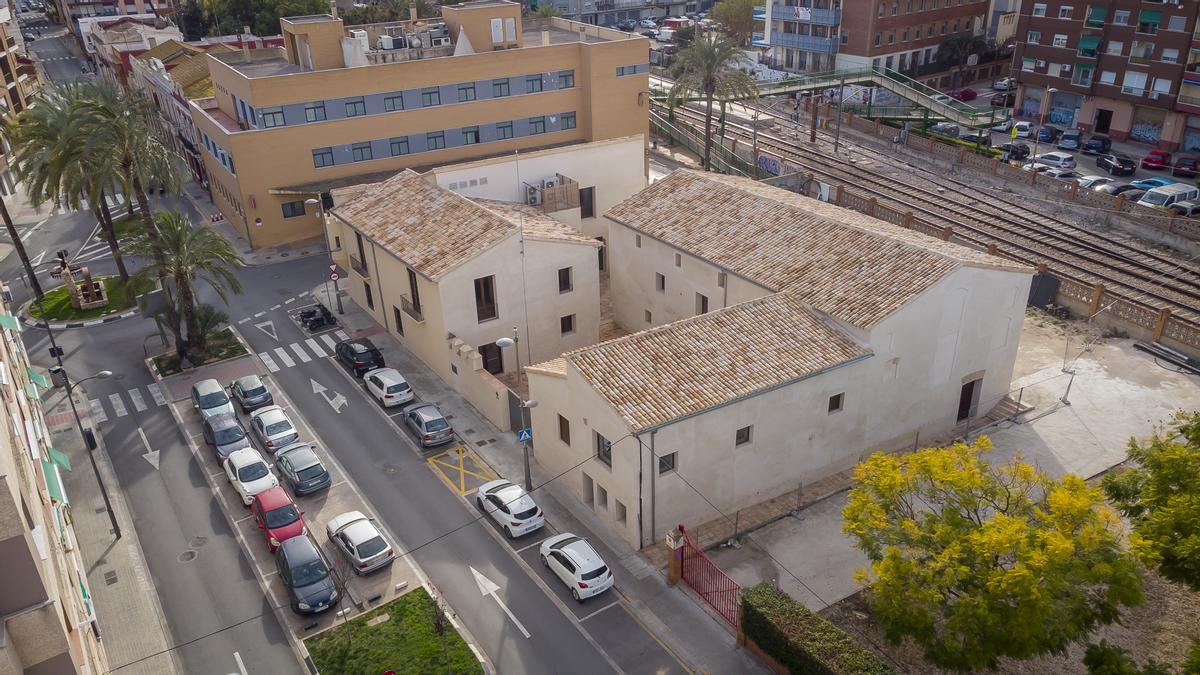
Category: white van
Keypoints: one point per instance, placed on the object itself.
(666, 34)
(1166, 195)
(1024, 129)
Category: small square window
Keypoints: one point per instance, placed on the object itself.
(322, 157)
(356, 107)
(504, 130)
(660, 283)
(360, 152)
(315, 112)
(564, 430)
(566, 324)
(1120, 16)
(272, 117)
(565, 282)
(293, 209)
(399, 146)
(393, 103)
(678, 260)
(533, 84)
(466, 92)
(603, 449)
(566, 79)
(722, 279)
(647, 316)
(666, 463)
(701, 303)
(743, 435)
(835, 402)
(637, 240)
(568, 121)
(470, 135)
(431, 97)
(435, 141)
(499, 88)
(537, 125)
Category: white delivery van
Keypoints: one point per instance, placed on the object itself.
(1166, 195)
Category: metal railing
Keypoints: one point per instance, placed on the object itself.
(411, 310)
(360, 266)
(823, 17)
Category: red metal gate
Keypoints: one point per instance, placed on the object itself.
(703, 575)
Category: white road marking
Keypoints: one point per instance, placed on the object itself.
(336, 401)
(284, 358)
(268, 362)
(241, 666)
(33, 229)
(329, 341)
(151, 455)
(118, 405)
(316, 348)
(156, 394)
(139, 403)
(289, 301)
(243, 519)
(98, 414)
(611, 604)
(300, 353)
(268, 327)
(242, 321)
(275, 308)
(526, 547)
(488, 587)
(259, 314)
(342, 334)
(37, 259)
(302, 294)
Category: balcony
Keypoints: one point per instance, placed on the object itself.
(360, 266)
(1188, 103)
(806, 43)
(412, 311)
(759, 40)
(822, 17)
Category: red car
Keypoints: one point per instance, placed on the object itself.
(277, 516)
(1156, 159)
(1187, 165)
(964, 95)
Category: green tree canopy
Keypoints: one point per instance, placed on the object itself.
(736, 19)
(710, 67)
(975, 562)
(1160, 496)
(1108, 659)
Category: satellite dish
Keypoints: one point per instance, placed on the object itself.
(416, 42)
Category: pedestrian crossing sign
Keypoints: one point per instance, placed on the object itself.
(525, 435)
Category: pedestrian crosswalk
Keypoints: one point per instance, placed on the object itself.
(96, 250)
(289, 355)
(118, 407)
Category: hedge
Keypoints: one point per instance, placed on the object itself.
(799, 639)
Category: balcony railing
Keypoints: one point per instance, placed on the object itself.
(823, 17)
(411, 310)
(806, 43)
(360, 266)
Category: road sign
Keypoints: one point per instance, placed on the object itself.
(333, 267)
(334, 276)
(525, 435)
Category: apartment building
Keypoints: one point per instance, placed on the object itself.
(113, 44)
(75, 10)
(1188, 101)
(905, 34)
(609, 12)
(1114, 68)
(20, 80)
(47, 621)
(338, 107)
(802, 35)
(768, 360)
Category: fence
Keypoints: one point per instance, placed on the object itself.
(712, 584)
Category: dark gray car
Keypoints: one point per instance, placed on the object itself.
(250, 393)
(225, 433)
(302, 469)
(428, 423)
(309, 581)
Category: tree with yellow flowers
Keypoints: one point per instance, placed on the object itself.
(975, 562)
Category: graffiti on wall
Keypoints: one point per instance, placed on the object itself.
(1145, 131)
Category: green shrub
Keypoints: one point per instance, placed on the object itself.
(799, 639)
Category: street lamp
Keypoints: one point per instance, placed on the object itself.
(1042, 112)
(328, 251)
(513, 341)
(90, 442)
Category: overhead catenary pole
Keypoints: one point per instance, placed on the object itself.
(837, 137)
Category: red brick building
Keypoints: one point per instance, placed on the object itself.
(904, 34)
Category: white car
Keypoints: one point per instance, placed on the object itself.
(357, 538)
(249, 474)
(273, 428)
(647, 23)
(510, 507)
(576, 563)
(942, 98)
(1064, 175)
(1005, 126)
(388, 385)
(1059, 160)
(1093, 182)
(1036, 166)
(1024, 129)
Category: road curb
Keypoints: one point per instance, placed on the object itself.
(37, 323)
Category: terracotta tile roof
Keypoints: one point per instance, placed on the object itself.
(430, 229)
(847, 264)
(192, 73)
(556, 367)
(168, 51)
(536, 225)
(695, 364)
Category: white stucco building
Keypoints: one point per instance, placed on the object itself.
(782, 339)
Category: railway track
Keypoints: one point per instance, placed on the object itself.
(1135, 274)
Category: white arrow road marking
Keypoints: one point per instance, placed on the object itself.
(284, 358)
(33, 229)
(268, 327)
(329, 341)
(157, 394)
(139, 403)
(268, 362)
(489, 587)
(118, 405)
(336, 401)
(241, 666)
(98, 414)
(151, 455)
(316, 348)
(300, 353)
(37, 259)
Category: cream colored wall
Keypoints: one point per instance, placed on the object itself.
(477, 23)
(481, 389)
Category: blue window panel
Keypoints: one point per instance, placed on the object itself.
(342, 154)
(381, 148)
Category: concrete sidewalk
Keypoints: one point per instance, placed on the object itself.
(695, 636)
(133, 627)
(254, 257)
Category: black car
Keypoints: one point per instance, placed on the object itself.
(1017, 151)
(359, 355)
(225, 433)
(307, 578)
(1003, 100)
(626, 24)
(250, 393)
(1117, 165)
(1098, 144)
(301, 469)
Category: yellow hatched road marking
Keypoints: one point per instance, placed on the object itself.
(458, 469)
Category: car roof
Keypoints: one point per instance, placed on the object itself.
(388, 375)
(425, 410)
(209, 386)
(249, 382)
(301, 455)
(580, 552)
(361, 531)
(299, 550)
(1173, 188)
(271, 413)
(222, 421)
(244, 456)
(273, 498)
(360, 345)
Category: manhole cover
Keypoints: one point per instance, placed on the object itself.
(391, 469)
(481, 443)
(197, 542)
(187, 556)
(110, 578)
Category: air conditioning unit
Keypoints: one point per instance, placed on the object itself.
(1066, 68)
(550, 183)
(1153, 95)
(358, 34)
(440, 41)
(385, 42)
(533, 195)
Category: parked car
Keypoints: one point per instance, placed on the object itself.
(1004, 126)
(427, 422)
(1024, 129)
(1064, 175)
(626, 25)
(576, 564)
(210, 399)
(359, 355)
(1036, 166)
(1189, 209)
(29, 37)
(1151, 183)
(248, 473)
(1117, 165)
(1134, 194)
(942, 98)
(302, 469)
(946, 129)
(650, 33)
(225, 434)
(277, 516)
(388, 386)
(1187, 165)
(1093, 182)
(1048, 134)
(1017, 151)
(1003, 100)
(964, 94)
(983, 138)
(273, 428)
(1004, 84)
(511, 507)
(1166, 195)
(250, 393)
(647, 23)
(1097, 144)
(1156, 159)
(360, 541)
(1115, 189)
(1060, 160)
(1070, 140)
(305, 575)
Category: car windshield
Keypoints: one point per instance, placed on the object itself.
(284, 515)
(308, 473)
(279, 427)
(229, 435)
(309, 573)
(397, 388)
(436, 425)
(595, 574)
(257, 391)
(371, 547)
(214, 399)
(252, 472)
(1156, 198)
(526, 514)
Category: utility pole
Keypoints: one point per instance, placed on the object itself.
(837, 137)
(812, 132)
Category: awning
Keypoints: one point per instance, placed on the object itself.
(53, 482)
(1089, 42)
(32, 391)
(37, 378)
(60, 458)
(1150, 16)
(1085, 66)
(10, 322)
(1097, 13)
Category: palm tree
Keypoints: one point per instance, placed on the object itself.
(545, 10)
(709, 66)
(185, 254)
(955, 51)
(19, 247)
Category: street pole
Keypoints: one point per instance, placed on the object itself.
(91, 448)
(841, 98)
(812, 132)
(525, 446)
(754, 143)
(337, 293)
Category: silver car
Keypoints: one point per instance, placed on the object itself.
(210, 399)
(273, 428)
(225, 433)
(250, 393)
(363, 545)
(428, 423)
